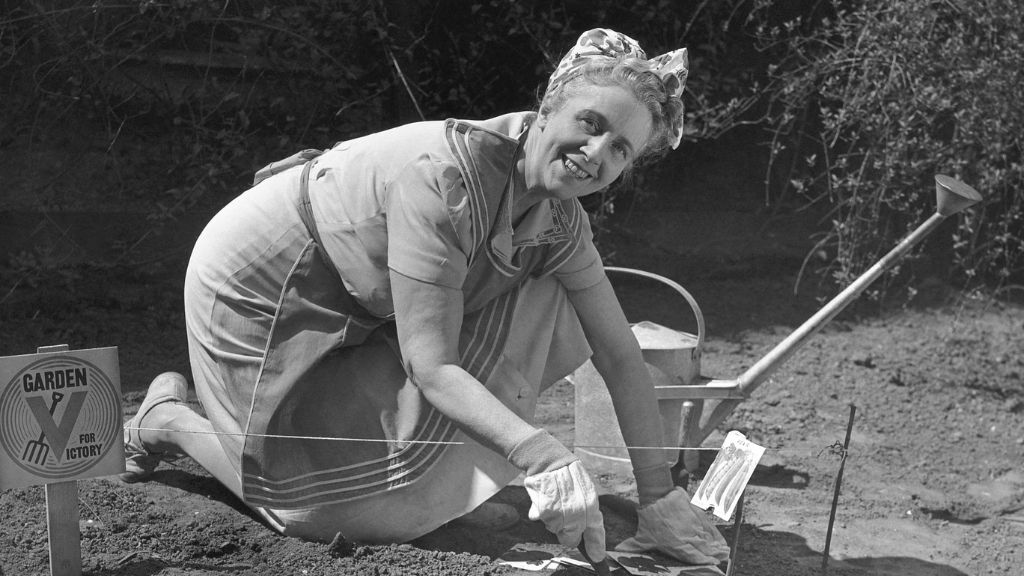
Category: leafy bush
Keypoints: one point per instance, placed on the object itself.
(191, 96)
(868, 100)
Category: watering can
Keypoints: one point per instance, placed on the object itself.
(673, 358)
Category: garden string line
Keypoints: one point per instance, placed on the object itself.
(829, 448)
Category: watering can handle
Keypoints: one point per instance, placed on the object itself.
(675, 286)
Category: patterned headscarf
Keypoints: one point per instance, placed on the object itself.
(672, 67)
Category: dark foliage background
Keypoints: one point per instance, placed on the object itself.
(868, 100)
(857, 104)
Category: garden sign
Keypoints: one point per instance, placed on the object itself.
(60, 421)
(60, 417)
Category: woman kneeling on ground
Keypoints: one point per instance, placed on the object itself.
(369, 327)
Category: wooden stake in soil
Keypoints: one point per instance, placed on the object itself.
(62, 516)
(836, 490)
(734, 552)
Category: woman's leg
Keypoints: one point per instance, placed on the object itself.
(173, 427)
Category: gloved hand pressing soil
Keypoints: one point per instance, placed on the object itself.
(673, 526)
(561, 492)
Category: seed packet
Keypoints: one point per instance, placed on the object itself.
(728, 476)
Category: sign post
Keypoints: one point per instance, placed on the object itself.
(60, 421)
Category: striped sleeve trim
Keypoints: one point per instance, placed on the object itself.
(457, 134)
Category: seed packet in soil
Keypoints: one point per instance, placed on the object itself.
(650, 565)
(532, 557)
(727, 478)
(547, 558)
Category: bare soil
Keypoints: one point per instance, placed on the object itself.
(933, 483)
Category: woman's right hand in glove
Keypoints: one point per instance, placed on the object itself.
(561, 492)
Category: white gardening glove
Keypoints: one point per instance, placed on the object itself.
(673, 526)
(561, 493)
(566, 501)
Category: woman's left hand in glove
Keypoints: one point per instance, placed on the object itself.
(673, 526)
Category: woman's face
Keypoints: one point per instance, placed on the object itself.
(587, 143)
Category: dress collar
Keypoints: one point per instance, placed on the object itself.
(537, 226)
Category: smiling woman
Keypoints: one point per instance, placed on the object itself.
(369, 326)
(583, 145)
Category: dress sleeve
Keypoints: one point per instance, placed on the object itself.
(428, 222)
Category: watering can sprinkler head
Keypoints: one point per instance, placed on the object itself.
(952, 195)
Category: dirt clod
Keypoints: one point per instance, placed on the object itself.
(340, 547)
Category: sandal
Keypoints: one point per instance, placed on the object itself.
(139, 463)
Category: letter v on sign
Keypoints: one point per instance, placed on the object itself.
(57, 434)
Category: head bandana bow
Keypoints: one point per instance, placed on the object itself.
(671, 67)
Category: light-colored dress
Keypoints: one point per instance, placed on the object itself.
(301, 373)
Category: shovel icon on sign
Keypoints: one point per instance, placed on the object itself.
(36, 451)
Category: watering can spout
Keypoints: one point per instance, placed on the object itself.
(952, 195)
